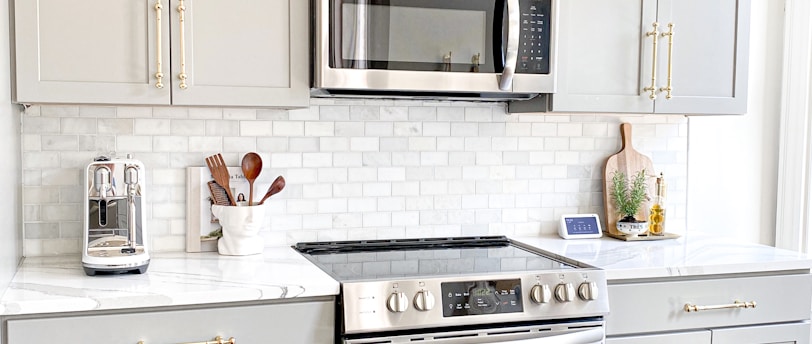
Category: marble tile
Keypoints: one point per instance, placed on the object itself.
(58, 284)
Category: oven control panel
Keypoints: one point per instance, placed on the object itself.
(481, 297)
(449, 301)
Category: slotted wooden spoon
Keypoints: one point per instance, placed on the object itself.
(219, 171)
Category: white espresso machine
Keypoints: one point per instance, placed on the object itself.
(114, 225)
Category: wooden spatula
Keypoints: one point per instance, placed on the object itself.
(219, 171)
(630, 162)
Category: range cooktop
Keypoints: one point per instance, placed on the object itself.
(403, 258)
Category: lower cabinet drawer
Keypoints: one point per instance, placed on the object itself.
(299, 323)
(693, 337)
(660, 306)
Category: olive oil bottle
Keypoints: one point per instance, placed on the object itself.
(656, 221)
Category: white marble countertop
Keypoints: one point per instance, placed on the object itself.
(693, 255)
(58, 284)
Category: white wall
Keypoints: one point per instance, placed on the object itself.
(10, 250)
(733, 160)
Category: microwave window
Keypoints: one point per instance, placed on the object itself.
(436, 36)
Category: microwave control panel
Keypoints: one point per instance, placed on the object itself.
(534, 41)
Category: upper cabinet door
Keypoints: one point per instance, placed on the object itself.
(710, 54)
(240, 53)
(602, 61)
(91, 51)
(620, 56)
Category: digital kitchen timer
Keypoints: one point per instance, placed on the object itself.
(580, 226)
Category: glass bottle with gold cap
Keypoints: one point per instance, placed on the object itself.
(656, 223)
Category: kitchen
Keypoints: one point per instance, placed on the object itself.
(323, 150)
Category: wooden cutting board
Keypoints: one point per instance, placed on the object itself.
(630, 162)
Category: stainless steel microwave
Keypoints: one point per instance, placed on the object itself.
(483, 49)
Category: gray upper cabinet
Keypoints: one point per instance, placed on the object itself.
(231, 53)
(90, 51)
(609, 62)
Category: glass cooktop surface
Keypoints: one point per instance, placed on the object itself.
(403, 258)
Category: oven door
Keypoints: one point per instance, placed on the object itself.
(567, 333)
(426, 46)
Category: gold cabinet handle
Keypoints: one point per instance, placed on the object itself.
(670, 35)
(736, 304)
(653, 88)
(217, 340)
(159, 74)
(182, 76)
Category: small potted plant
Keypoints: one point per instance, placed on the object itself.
(629, 195)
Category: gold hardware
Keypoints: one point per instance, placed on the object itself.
(653, 88)
(182, 76)
(736, 304)
(670, 35)
(447, 62)
(217, 340)
(159, 74)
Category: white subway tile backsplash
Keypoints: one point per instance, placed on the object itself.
(239, 114)
(239, 144)
(116, 126)
(304, 144)
(355, 169)
(265, 128)
(59, 111)
(170, 144)
(364, 144)
(422, 113)
(334, 144)
(407, 128)
(349, 128)
(379, 129)
(450, 114)
(151, 126)
(222, 128)
(395, 113)
(282, 128)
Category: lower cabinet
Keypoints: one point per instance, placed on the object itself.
(795, 333)
(310, 322)
(739, 309)
(694, 337)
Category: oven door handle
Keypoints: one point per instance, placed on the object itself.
(595, 335)
(512, 53)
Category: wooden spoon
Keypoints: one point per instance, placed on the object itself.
(277, 185)
(251, 167)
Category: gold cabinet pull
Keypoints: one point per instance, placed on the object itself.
(653, 88)
(182, 76)
(158, 74)
(670, 35)
(736, 304)
(217, 340)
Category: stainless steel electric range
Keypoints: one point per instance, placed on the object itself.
(460, 290)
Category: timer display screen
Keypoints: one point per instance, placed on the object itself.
(481, 297)
(581, 225)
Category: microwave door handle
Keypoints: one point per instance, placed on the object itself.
(512, 53)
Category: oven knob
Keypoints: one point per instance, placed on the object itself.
(565, 292)
(540, 293)
(588, 291)
(397, 302)
(424, 300)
